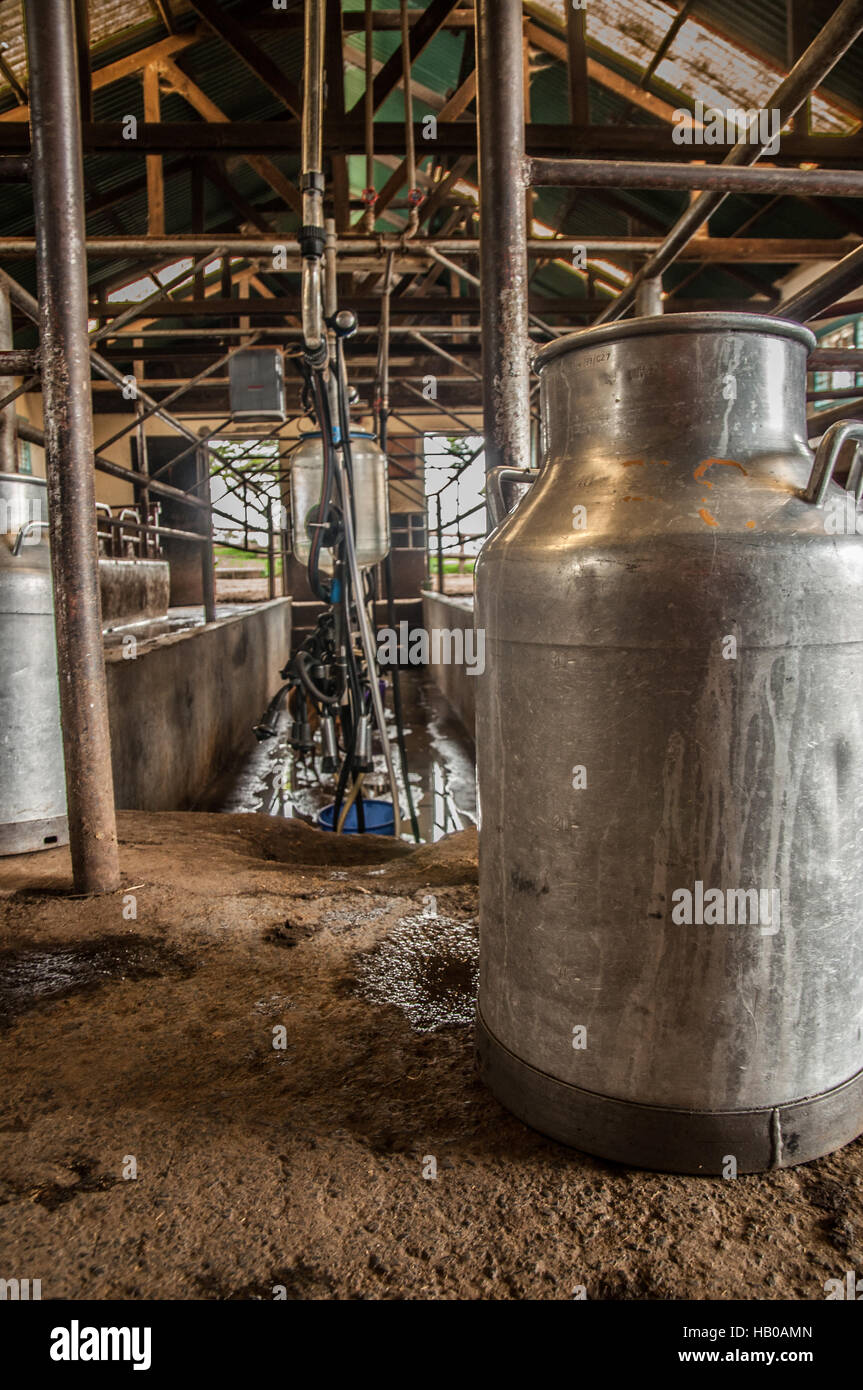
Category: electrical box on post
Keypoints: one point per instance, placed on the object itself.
(257, 384)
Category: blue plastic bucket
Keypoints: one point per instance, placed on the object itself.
(378, 815)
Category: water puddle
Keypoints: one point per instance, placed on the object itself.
(440, 761)
(40, 974)
(428, 966)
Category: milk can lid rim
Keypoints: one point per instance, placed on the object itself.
(673, 323)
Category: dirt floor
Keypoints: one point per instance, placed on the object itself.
(145, 1044)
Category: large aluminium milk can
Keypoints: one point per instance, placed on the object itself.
(670, 750)
(32, 780)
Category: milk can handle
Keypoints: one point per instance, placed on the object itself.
(826, 458)
(494, 492)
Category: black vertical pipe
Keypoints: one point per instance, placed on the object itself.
(503, 233)
(58, 193)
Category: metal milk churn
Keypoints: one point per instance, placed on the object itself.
(32, 779)
(670, 758)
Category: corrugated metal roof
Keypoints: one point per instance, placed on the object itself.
(729, 48)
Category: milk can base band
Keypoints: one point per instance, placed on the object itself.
(671, 1141)
(25, 836)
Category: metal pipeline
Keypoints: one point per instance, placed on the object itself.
(414, 194)
(370, 194)
(312, 234)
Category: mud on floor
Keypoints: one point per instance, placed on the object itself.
(250, 1074)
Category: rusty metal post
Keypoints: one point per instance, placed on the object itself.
(8, 428)
(503, 234)
(58, 193)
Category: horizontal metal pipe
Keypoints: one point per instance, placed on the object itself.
(724, 178)
(162, 248)
(13, 362)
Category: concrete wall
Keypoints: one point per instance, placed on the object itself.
(132, 590)
(184, 708)
(442, 611)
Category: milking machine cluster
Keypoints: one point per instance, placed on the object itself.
(340, 521)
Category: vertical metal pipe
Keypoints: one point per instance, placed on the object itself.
(58, 194)
(369, 121)
(8, 427)
(271, 551)
(439, 547)
(312, 236)
(503, 234)
(410, 152)
(208, 559)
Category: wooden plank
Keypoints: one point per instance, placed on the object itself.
(155, 178)
(82, 53)
(123, 67)
(577, 66)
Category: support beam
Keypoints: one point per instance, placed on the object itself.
(155, 178)
(577, 71)
(82, 53)
(503, 234)
(236, 36)
(422, 32)
(58, 192)
(123, 67)
(263, 167)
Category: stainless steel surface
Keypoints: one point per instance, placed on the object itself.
(32, 779)
(305, 479)
(692, 639)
